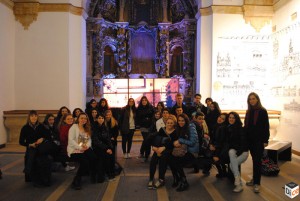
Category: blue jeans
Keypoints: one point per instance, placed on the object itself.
(235, 161)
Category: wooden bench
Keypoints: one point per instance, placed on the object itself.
(279, 150)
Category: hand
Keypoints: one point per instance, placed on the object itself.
(206, 136)
(39, 141)
(33, 145)
(160, 150)
(176, 143)
(215, 158)
(154, 149)
(109, 151)
(212, 147)
(84, 148)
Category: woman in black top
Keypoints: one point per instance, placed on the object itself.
(144, 114)
(162, 146)
(127, 126)
(32, 135)
(238, 147)
(212, 116)
(102, 106)
(258, 133)
(101, 143)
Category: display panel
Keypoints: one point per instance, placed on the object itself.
(115, 85)
(117, 91)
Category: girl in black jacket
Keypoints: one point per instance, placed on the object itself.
(144, 114)
(258, 133)
(31, 136)
(102, 145)
(238, 147)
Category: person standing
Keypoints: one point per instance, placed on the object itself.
(144, 114)
(179, 103)
(127, 126)
(258, 132)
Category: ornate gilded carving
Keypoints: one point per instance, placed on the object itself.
(258, 16)
(163, 70)
(26, 13)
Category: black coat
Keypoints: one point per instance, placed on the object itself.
(30, 134)
(101, 139)
(237, 138)
(144, 116)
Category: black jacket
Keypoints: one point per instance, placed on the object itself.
(30, 134)
(101, 139)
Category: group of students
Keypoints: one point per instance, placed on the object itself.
(69, 138)
(204, 137)
(178, 136)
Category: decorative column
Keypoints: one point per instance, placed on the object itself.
(122, 5)
(164, 49)
(122, 48)
(165, 13)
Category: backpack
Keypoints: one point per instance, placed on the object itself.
(269, 167)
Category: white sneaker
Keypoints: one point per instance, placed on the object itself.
(125, 156)
(237, 180)
(238, 188)
(69, 168)
(128, 155)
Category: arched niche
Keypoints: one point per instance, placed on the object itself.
(176, 64)
(109, 64)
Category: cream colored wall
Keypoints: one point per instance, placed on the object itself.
(77, 62)
(7, 56)
(50, 62)
(42, 62)
(205, 58)
(289, 126)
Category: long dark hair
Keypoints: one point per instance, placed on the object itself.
(183, 131)
(258, 105)
(140, 103)
(45, 122)
(238, 122)
(133, 107)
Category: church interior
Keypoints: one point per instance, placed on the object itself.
(67, 52)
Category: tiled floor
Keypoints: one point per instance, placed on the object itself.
(131, 184)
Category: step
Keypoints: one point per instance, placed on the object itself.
(137, 136)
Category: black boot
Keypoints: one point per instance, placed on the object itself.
(76, 184)
(175, 181)
(0, 174)
(224, 170)
(220, 171)
(183, 185)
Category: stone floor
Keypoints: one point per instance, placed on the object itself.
(131, 184)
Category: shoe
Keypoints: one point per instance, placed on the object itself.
(237, 180)
(175, 182)
(256, 188)
(0, 174)
(76, 184)
(145, 160)
(159, 183)
(125, 156)
(206, 173)
(128, 155)
(238, 188)
(140, 156)
(150, 185)
(112, 178)
(250, 183)
(184, 185)
(69, 168)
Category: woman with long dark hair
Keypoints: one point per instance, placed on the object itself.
(102, 105)
(187, 135)
(144, 114)
(103, 148)
(238, 147)
(127, 126)
(257, 128)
